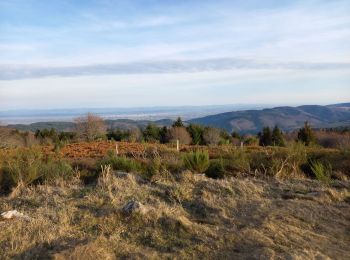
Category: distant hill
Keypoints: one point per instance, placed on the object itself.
(29, 116)
(69, 126)
(246, 121)
(60, 126)
(287, 118)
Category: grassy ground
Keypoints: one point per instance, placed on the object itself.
(187, 216)
(284, 203)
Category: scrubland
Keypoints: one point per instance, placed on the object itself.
(217, 202)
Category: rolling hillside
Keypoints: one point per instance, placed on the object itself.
(287, 118)
(69, 126)
(245, 121)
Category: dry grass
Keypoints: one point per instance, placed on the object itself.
(188, 217)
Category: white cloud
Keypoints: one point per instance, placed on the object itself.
(220, 87)
(159, 67)
(217, 44)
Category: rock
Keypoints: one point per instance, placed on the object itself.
(122, 175)
(14, 214)
(129, 176)
(134, 206)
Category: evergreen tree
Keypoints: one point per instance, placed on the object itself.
(117, 135)
(163, 135)
(225, 137)
(178, 123)
(236, 135)
(151, 133)
(196, 132)
(277, 137)
(306, 135)
(265, 137)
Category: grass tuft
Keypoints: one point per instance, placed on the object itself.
(322, 171)
(197, 161)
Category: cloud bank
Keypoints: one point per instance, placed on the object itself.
(158, 67)
(153, 52)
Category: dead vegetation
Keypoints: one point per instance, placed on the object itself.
(190, 216)
(267, 203)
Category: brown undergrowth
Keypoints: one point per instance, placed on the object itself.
(188, 216)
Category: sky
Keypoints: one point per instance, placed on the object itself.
(135, 53)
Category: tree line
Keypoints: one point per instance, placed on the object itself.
(92, 127)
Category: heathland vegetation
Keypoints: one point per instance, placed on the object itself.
(184, 191)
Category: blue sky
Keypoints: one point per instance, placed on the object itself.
(110, 53)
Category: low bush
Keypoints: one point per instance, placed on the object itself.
(197, 161)
(30, 167)
(216, 169)
(238, 160)
(121, 163)
(153, 167)
(321, 171)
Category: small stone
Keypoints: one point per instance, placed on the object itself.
(122, 174)
(14, 214)
(134, 206)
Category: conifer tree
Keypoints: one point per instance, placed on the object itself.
(306, 135)
(265, 137)
(277, 137)
(178, 123)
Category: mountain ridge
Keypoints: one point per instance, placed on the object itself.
(286, 117)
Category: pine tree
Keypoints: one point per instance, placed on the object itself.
(236, 135)
(178, 123)
(196, 132)
(151, 133)
(265, 137)
(163, 134)
(277, 137)
(306, 135)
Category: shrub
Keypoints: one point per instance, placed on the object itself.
(250, 140)
(151, 133)
(280, 162)
(277, 137)
(118, 135)
(211, 135)
(30, 167)
(238, 160)
(216, 170)
(260, 162)
(52, 170)
(334, 139)
(289, 162)
(306, 135)
(225, 137)
(134, 135)
(58, 145)
(321, 171)
(155, 167)
(196, 132)
(197, 161)
(121, 163)
(179, 133)
(10, 138)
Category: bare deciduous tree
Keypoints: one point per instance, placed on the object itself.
(179, 133)
(90, 127)
(13, 138)
(4, 136)
(135, 135)
(211, 136)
